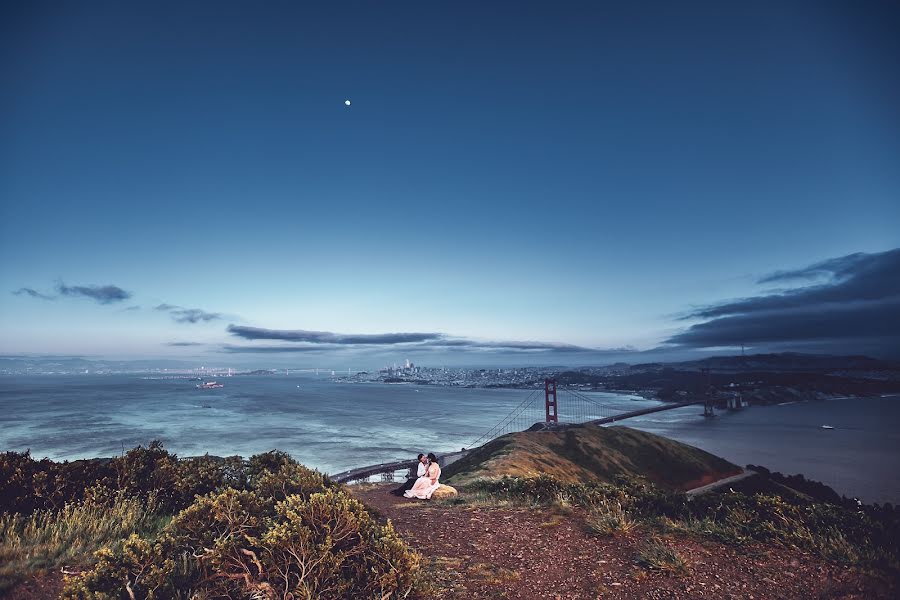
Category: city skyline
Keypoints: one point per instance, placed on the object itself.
(579, 184)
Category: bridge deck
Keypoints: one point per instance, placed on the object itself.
(643, 411)
(401, 465)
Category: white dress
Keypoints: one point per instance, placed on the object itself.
(424, 488)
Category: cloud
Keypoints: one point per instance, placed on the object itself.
(103, 294)
(857, 277)
(32, 293)
(302, 340)
(326, 337)
(857, 306)
(184, 344)
(232, 349)
(467, 344)
(188, 315)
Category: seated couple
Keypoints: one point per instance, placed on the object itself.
(426, 481)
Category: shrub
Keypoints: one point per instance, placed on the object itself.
(240, 544)
(201, 475)
(142, 471)
(27, 485)
(608, 518)
(139, 569)
(50, 539)
(657, 556)
(288, 479)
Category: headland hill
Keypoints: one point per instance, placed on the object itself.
(574, 512)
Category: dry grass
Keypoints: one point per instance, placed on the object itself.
(52, 539)
(609, 518)
(491, 574)
(655, 555)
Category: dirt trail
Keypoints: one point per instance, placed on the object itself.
(530, 554)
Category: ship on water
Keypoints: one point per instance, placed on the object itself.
(208, 385)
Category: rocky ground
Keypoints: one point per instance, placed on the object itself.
(44, 586)
(506, 552)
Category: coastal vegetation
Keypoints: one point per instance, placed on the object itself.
(146, 525)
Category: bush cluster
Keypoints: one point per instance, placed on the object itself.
(263, 528)
(242, 544)
(28, 485)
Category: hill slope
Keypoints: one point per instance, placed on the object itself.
(591, 453)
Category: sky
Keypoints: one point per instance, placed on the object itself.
(512, 183)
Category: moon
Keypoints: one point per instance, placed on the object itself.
(346, 103)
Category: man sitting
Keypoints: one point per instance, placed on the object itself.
(410, 480)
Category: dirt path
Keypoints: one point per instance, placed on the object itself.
(703, 489)
(530, 554)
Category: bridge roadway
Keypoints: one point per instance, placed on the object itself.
(402, 465)
(449, 457)
(643, 411)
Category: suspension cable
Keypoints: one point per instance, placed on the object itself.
(516, 412)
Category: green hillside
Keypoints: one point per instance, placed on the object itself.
(591, 453)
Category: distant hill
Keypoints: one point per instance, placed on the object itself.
(784, 361)
(591, 453)
(77, 364)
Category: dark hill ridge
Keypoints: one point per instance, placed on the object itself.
(784, 361)
(591, 453)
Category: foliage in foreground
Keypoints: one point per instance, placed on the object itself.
(264, 528)
(862, 535)
(238, 544)
(53, 539)
(27, 485)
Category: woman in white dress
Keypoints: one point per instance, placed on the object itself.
(427, 484)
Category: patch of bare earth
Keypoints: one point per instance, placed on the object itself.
(45, 586)
(524, 553)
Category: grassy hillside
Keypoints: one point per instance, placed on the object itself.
(590, 453)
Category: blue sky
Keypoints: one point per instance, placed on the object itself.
(569, 174)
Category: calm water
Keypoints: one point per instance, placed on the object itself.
(333, 427)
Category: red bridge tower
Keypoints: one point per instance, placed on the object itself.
(550, 400)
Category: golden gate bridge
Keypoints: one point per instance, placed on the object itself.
(546, 409)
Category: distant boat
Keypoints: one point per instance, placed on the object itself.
(827, 427)
(208, 385)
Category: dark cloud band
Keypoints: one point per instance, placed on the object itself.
(858, 307)
(326, 337)
(304, 341)
(102, 294)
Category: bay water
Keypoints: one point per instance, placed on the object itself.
(335, 426)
